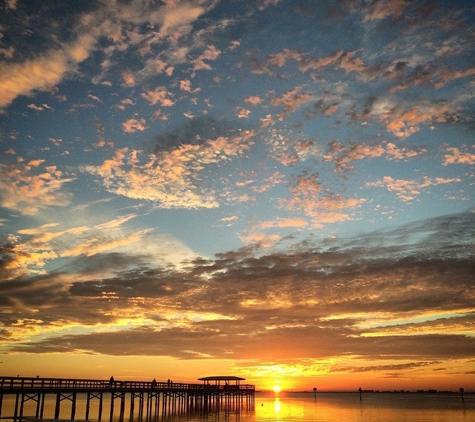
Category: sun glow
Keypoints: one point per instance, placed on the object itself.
(277, 389)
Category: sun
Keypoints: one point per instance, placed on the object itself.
(277, 389)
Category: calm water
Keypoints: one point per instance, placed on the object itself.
(345, 407)
(303, 407)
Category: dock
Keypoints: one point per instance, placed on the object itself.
(121, 400)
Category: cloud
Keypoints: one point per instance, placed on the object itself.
(12, 4)
(253, 100)
(171, 177)
(30, 250)
(266, 121)
(344, 157)
(185, 85)
(291, 100)
(407, 190)
(260, 239)
(178, 17)
(289, 151)
(230, 218)
(263, 4)
(403, 123)
(100, 245)
(51, 66)
(159, 95)
(382, 9)
(302, 303)
(20, 259)
(134, 125)
(323, 207)
(29, 253)
(459, 156)
(243, 113)
(42, 72)
(94, 98)
(211, 53)
(31, 187)
(284, 222)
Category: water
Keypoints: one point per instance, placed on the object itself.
(346, 407)
(304, 407)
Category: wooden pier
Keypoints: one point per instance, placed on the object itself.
(137, 400)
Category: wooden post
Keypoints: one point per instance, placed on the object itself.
(58, 405)
(360, 391)
(122, 406)
(100, 407)
(73, 406)
(315, 392)
(141, 406)
(112, 406)
(42, 409)
(15, 415)
(132, 403)
(461, 392)
(148, 406)
(88, 404)
(21, 404)
(38, 404)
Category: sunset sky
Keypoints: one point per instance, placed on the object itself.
(281, 190)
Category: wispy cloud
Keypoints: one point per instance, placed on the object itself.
(29, 187)
(408, 190)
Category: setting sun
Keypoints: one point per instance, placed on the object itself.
(277, 389)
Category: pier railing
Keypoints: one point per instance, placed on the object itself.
(20, 384)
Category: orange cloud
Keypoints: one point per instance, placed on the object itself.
(185, 85)
(284, 222)
(322, 207)
(403, 123)
(134, 125)
(459, 156)
(291, 100)
(407, 190)
(243, 113)
(170, 178)
(344, 157)
(158, 95)
(43, 72)
(260, 239)
(254, 100)
(211, 53)
(28, 188)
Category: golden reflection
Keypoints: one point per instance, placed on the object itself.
(282, 408)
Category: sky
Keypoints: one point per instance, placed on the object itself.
(281, 190)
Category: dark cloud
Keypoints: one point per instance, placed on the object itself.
(252, 343)
(195, 132)
(391, 367)
(295, 304)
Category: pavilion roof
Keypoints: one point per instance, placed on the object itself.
(221, 378)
